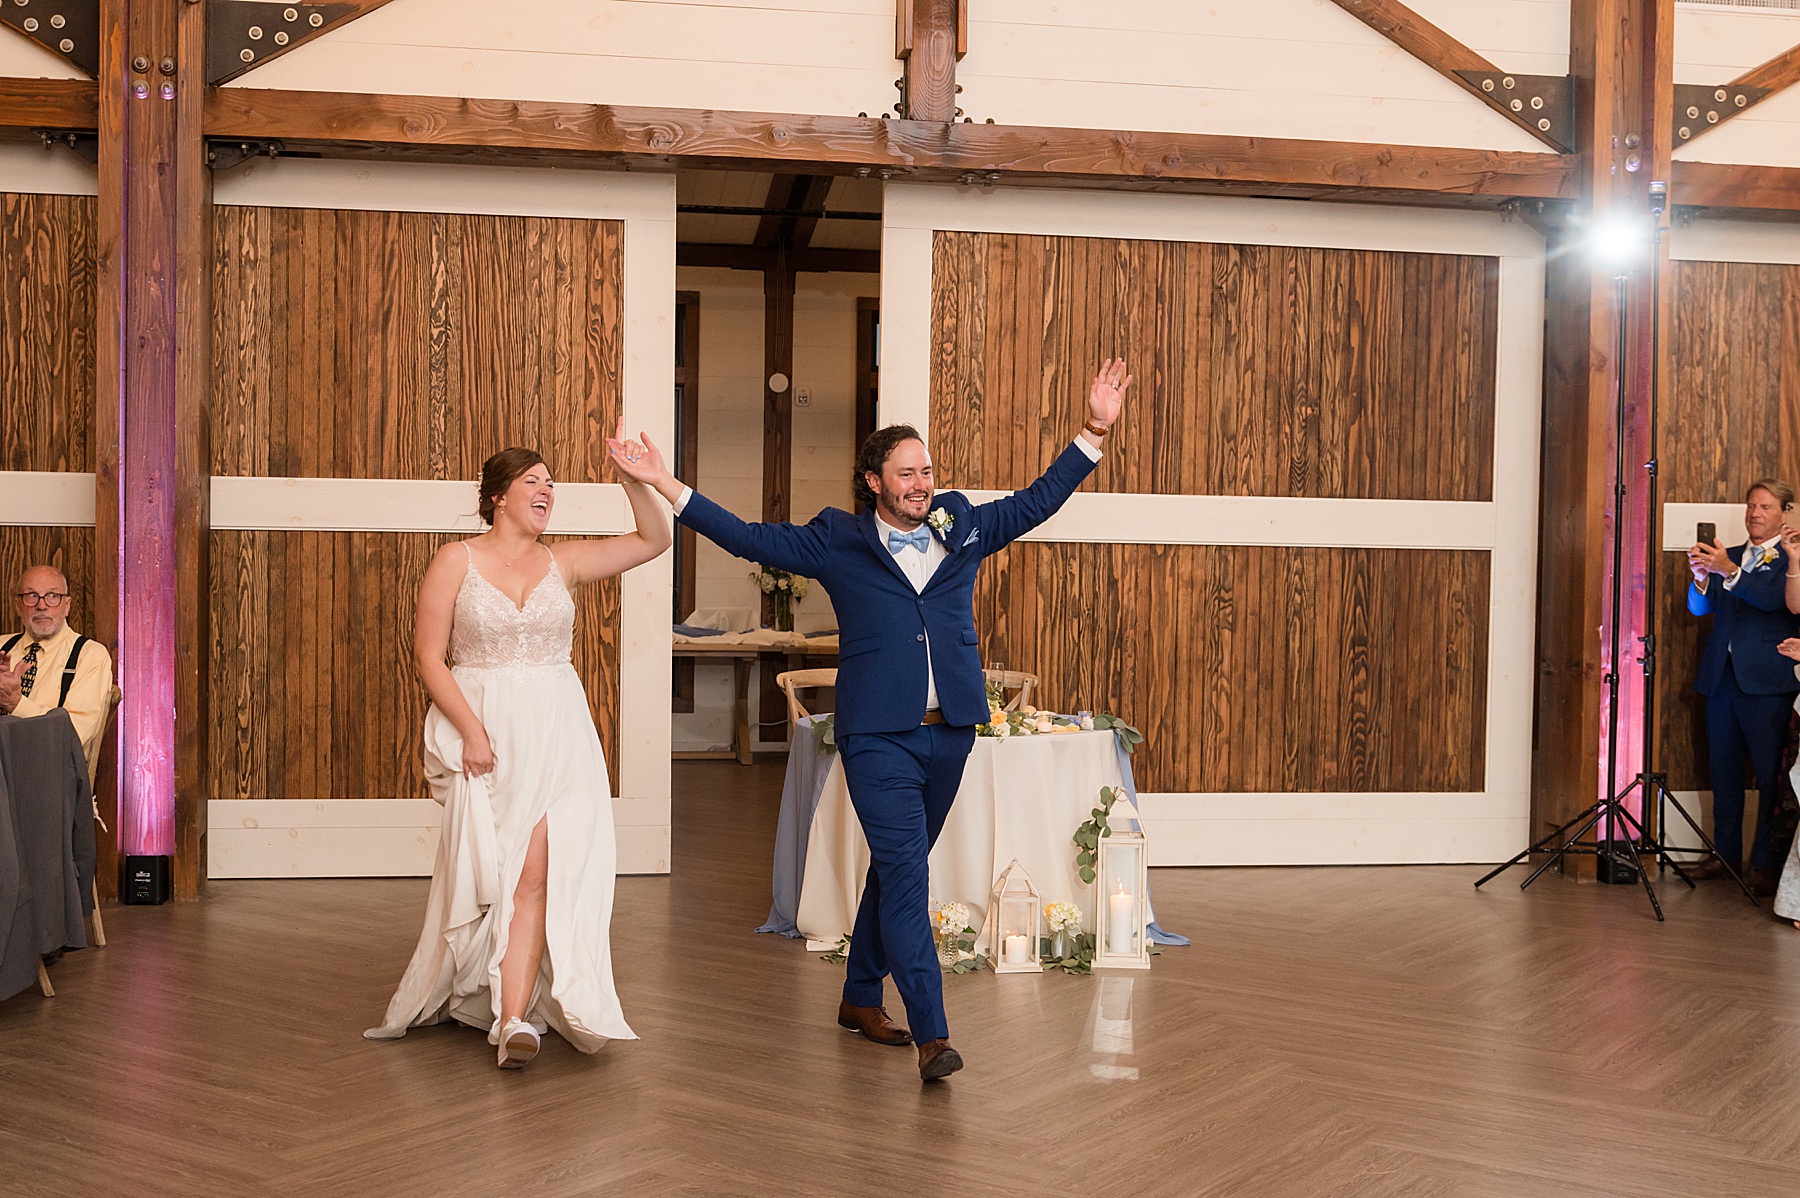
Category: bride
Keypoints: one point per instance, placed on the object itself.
(516, 926)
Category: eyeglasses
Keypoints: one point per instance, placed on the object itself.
(33, 599)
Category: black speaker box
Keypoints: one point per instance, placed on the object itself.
(145, 880)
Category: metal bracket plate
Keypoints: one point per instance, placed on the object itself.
(70, 28)
(241, 34)
(1699, 106)
(83, 143)
(1544, 103)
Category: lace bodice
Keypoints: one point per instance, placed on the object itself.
(487, 632)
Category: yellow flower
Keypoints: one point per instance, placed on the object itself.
(996, 717)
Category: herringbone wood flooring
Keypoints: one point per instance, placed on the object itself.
(1368, 1032)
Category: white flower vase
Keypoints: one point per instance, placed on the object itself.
(1059, 945)
(947, 953)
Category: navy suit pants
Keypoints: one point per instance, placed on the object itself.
(902, 785)
(1738, 724)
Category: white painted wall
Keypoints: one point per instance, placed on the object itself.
(53, 170)
(825, 364)
(1274, 68)
(22, 58)
(1715, 45)
(814, 56)
(1528, 36)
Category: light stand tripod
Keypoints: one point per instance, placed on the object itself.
(1616, 856)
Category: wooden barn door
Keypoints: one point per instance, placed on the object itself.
(1304, 567)
(379, 331)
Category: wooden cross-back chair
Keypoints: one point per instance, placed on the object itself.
(112, 705)
(1006, 680)
(797, 680)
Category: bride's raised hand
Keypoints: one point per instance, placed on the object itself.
(640, 461)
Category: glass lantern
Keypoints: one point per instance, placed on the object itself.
(1013, 922)
(1122, 900)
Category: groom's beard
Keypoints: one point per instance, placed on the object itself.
(891, 506)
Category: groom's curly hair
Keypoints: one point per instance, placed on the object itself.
(874, 455)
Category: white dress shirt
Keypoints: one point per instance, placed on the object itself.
(918, 568)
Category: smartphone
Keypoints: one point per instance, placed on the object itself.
(1706, 532)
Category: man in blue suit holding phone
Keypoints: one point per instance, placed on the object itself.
(1749, 686)
(910, 692)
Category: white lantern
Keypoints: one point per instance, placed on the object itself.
(1122, 897)
(1012, 922)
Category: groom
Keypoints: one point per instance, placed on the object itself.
(910, 691)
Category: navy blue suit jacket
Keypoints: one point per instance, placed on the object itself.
(1749, 620)
(884, 625)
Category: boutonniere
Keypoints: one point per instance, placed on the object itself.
(940, 520)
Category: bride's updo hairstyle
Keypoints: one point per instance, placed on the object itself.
(500, 472)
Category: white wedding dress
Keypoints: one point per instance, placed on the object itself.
(1787, 894)
(513, 665)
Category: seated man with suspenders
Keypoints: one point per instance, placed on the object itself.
(50, 665)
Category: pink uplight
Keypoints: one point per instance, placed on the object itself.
(1631, 521)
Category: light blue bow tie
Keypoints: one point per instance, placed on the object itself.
(918, 538)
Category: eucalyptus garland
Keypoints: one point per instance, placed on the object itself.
(1089, 835)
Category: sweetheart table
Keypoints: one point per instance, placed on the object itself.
(1022, 798)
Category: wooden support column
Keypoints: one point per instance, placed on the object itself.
(787, 237)
(1620, 55)
(930, 36)
(153, 317)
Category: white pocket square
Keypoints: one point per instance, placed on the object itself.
(970, 539)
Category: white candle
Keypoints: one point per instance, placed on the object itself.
(1119, 909)
(1016, 952)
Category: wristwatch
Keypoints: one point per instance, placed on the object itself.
(1098, 432)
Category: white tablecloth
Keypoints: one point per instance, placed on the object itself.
(1022, 797)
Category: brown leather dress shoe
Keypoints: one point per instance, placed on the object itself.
(1764, 882)
(937, 1060)
(1707, 870)
(874, 1024)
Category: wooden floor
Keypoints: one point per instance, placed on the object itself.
(1332, 1031)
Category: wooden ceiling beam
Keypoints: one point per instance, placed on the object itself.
(810, 198)
(1772, 76)
(1733, 185)
(451, 127)
(780, 197)
(27, 104)
(1457, 63)
(811, 260)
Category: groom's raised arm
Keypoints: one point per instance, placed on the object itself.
(801, 548)
(1017, 514)
(1007, 519)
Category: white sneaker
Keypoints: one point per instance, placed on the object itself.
(519, 1043)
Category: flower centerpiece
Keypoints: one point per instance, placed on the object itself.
(955, 938)
(785, 587)
(1065, 921)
